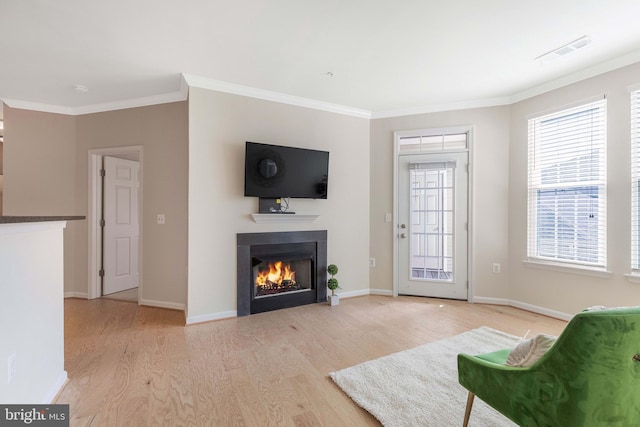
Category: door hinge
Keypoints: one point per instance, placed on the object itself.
(103, 172)
(101, 272)
(102, 222)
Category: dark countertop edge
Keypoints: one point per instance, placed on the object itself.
(19, 219)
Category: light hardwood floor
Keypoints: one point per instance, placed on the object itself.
(139, 366)
(130, 295)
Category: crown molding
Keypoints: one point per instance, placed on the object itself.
(36, 106)
(436, 108)
(163, 98)
(190, 80)
(596, 70)
(267, 95)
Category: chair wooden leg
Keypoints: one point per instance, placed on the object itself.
(467, 412)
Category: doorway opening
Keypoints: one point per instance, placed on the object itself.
(115, 224)
(432, 201)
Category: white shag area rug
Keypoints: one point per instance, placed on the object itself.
(419, 387)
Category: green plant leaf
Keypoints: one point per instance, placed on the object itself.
(332, 269)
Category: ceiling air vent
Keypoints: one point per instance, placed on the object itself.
(565, 50)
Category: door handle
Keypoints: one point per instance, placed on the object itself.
(403, 236)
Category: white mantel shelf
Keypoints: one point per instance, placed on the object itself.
(283, 218)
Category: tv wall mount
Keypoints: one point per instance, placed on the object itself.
(271, 206)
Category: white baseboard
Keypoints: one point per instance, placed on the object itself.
(383, 292)
(524, 306)
(147, 302)
(191, 320)
(542, 310)
(162, 304)
(50, 397)
(362, 292)
(492, 301)
(82, 295)
(352, 294)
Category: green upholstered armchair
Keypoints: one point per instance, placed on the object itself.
(589, 377)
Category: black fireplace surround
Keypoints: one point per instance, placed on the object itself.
(289, 245)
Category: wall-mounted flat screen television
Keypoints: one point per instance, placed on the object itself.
(274, 171)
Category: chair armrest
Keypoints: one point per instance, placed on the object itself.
(497, 357)
(505, 388)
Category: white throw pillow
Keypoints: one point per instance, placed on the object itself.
(595, 308)
(529, 351)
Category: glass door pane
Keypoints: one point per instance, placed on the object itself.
(432, 215)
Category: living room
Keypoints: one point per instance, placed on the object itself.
(219, 124)
(193, 163)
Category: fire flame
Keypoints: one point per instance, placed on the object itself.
(275, 275)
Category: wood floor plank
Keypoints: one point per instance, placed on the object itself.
(140, 366)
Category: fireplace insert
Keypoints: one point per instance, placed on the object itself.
(280, 270)
(284, 274)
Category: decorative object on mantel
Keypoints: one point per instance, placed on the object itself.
(332, 284)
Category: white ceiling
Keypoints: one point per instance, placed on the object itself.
(386, 56)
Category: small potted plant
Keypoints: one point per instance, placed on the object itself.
(332, 284)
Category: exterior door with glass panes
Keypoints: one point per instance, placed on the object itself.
(432, 224)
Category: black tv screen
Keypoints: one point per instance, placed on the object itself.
(274, 171)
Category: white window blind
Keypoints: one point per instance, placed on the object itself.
(567, 186)
(635, 177)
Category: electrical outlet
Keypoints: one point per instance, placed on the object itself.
(496, 267)
(11, 368)
(160, 219)
(387, 217)
(372, 262)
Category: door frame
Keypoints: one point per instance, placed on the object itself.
(470, 199)
(95, 214)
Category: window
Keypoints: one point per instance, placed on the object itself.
(567, 186)
(635, 180)
(426, 143)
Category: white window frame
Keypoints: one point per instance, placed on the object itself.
(536, 257)
(635, 185)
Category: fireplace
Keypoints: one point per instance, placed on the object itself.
(282, 275)
(281, 270)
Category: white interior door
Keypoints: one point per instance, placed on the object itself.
(432, 225)
(120, 209)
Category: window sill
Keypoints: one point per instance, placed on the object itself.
(633, 277)
(569, 268)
